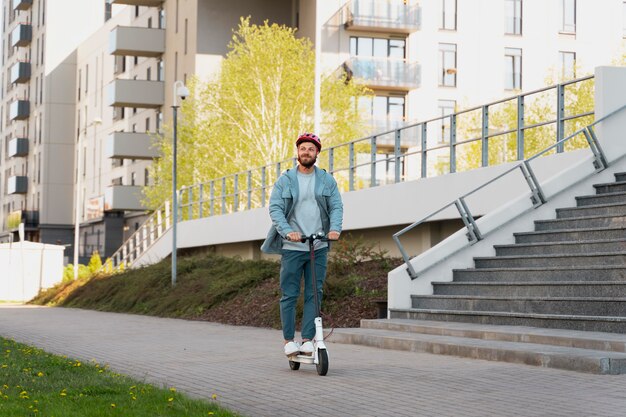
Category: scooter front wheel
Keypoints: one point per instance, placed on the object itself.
(294, 365)
(322, 365)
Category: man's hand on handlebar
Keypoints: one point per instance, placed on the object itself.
(294, 237)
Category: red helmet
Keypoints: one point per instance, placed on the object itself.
(310, 137)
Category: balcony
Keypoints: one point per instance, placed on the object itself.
(20, 72)
(126, 145)
(388, 74)
(136, 93)
(148, 3)
(19, 110)
(17, 184)
(392, 16)
(18, 147)
(22, 4)
(136, 41)
(21, 35)
(123, 198)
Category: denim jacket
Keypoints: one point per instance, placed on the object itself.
(282, 199)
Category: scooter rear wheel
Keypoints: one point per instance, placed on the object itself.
(294, 365)
(322, 365)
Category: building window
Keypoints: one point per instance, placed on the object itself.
(146, 177)
(377, 47)
(147, 124)
(446, 108)
(513, 17)
(148, 73)
(133, 178)
(107, 10)
(512, 69)
(448, 15)
(567, 62)
(385, 112)
(569, 16)
(447, 65)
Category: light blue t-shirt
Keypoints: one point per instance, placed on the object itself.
(306, 217)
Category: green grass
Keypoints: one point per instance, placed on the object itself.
(35, 383)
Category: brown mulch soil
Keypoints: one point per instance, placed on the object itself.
(258, 306)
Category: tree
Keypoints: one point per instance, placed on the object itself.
(251, 113)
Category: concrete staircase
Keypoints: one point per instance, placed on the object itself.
(565, 283)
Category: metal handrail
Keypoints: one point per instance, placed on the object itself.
(411, 146)
(538, 197)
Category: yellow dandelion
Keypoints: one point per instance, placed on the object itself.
(39, 373)
(63, 394)
(214, 396)
(210, 413)
(112, 405)
(169, 400)
(173, 389)
(5, 366)
(134, 398)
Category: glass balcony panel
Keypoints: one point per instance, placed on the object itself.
(128, 145)
(18, 147)
(385, 73)
(19, 110)
(383, 16)
(136, 93)
(21, 35)
(148, 3)
(17, 184)
(20, 72)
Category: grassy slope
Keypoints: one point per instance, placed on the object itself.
(230, 291)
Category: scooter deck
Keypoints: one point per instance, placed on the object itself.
(302, 358)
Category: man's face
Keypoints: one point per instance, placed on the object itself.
(307, 154)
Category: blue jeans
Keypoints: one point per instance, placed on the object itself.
(295, 264)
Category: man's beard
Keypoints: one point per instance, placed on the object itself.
(308, 164)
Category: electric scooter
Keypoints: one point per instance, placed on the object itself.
(320, 353)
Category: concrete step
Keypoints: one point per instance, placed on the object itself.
(548, 321)
(533, 289)
(544, 355)
(592, 221)
(556, 337)
(601, 199)
(572, 235)
(564, 248)
(541, 274)
(583, 306)
(610, 187)
(585, 260)
(613, 209)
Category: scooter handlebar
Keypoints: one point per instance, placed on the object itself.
(316, 236)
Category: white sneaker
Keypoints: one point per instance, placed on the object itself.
(292, 348)
(307, 347)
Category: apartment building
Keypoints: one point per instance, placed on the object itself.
(39, 40)
(423, 59)
(81, 102)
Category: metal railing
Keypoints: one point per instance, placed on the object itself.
(537, 195)
(421, 150)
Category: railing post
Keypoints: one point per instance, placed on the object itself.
(249, 205)
(351, 166)
(236, 193)
(160, 221)
(201, 201)
(152, 230)
(473, 234)
(373, 160)
(484, 137)
(452, 143)
(144, 232)
(168, 219)
(223, 195)
(331, 160)
(537, 198)
(600, 161)
(424, 146)
(212, 198)
(396, 157)
(263, 186)
(520, 127)
(560, 115)
(190, 202)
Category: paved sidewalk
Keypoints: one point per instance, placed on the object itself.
(246, 369)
